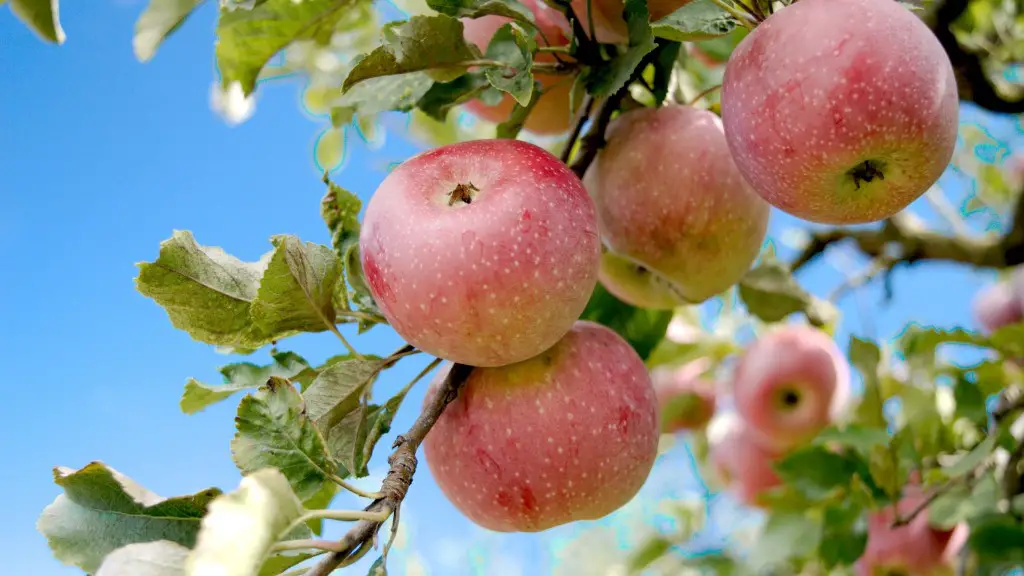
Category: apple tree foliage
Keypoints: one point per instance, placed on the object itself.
(303, 430)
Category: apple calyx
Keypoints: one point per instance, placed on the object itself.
(867, 171)
(462, 193)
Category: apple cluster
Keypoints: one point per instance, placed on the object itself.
(485, 253)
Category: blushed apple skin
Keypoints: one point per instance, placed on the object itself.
(634, 284)
(686, 399)
(823, 86)
(1000, 304)
(491, 282)
(745, 465)
(551, 114)
(798, 362)
(917, 549)
(609, 23)
(569, 435)
(669, 197)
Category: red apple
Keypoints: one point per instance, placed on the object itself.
(1001, 304)
(687, 399)
(568, 435)
(916, 549)
(551, 114)
(609, 22)
(670, 199)
(743, 464)
(840, 111)
(790, 384)
(482, 252)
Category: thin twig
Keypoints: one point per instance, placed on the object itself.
(315, 544)
(698, 97)
(403, 467)
(584, 114)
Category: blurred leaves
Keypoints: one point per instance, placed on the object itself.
(641, 327)
(697, 20)
(41, 16)
(158, 21)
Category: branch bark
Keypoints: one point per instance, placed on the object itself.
(399, 477)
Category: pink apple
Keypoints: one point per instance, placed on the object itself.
(790, 384)
(568, 435)
(745, 465)
(1001, 304)
(670, 199)
(686, 398)
(916, 549)
(609, 22)
(634, 284)
(482, 252)
(840, 111)
(551, 114)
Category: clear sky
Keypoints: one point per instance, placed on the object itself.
(101, 157)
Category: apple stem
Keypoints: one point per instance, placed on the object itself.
(462, 193)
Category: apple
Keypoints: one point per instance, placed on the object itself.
(742, 463)
(482, 252)
(916, 549)
(791, 383)
(635, 284)
(609, 20)
(840, 111)
(670, 199)
(568, 435)
(551, 114)
(1001, 304)
(687, 399)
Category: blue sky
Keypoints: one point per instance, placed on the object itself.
(101, 157)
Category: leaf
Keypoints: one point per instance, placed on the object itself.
(297, 289)
(510, 128)
(610, 78)
(42, 17)
(443, 96)
(319, 501)
(159, 558)
(158, 21)
(477, 8)
(346, 439)
(861, 438)
(247, 38)
(273, 431)
(514, 48)
(865, 356)
(960, 503)
(379, 422)
(816, 471)
(641, 327)
(102, 510)
(969, 461)
(970, 402)
(241, 526)
(399, 92)
(997, 537)
(276, 564)
(378, 568)
(785, 535)
(651, 550)
(432, 44)
(339, 209)
(336, 391)
(770, 292)
(239, 376)
(843, 538)
(205, 291)
(695, 21)
(1009, 340)
(921, 343)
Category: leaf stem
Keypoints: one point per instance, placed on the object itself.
(553, 49)
(744, 19)
(357, 491)
(334, 329)
(325, 545)
(707, 92)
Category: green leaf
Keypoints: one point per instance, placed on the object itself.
(770, 292)
(273, 431)
(247, 38)
(276, 564)
(969, 461)
(346, 441)
(42, 17)
(510, 128)
(642, 328)
(865, 356)
(785, 535)
(339, 209)
(919, 343)
(651, 550)
(158, 21)
(399, 92)
(319, 501)
(337, 389)
(1009, 340)
(102, 510)
(960, 503)
(159, 558)
(443, 96)
(997, 537)
(695, 21)
(970, 402)
(610, 78)
(205, 291)
(240, 376)
(379, 422)
(844, 537)
(296, 293)
(861, 438)
(241, 526)
(477, 8)
(513, 47)
(378, 568)
(817, 472)
(433, 44)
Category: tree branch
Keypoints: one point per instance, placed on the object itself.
(403, 467)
